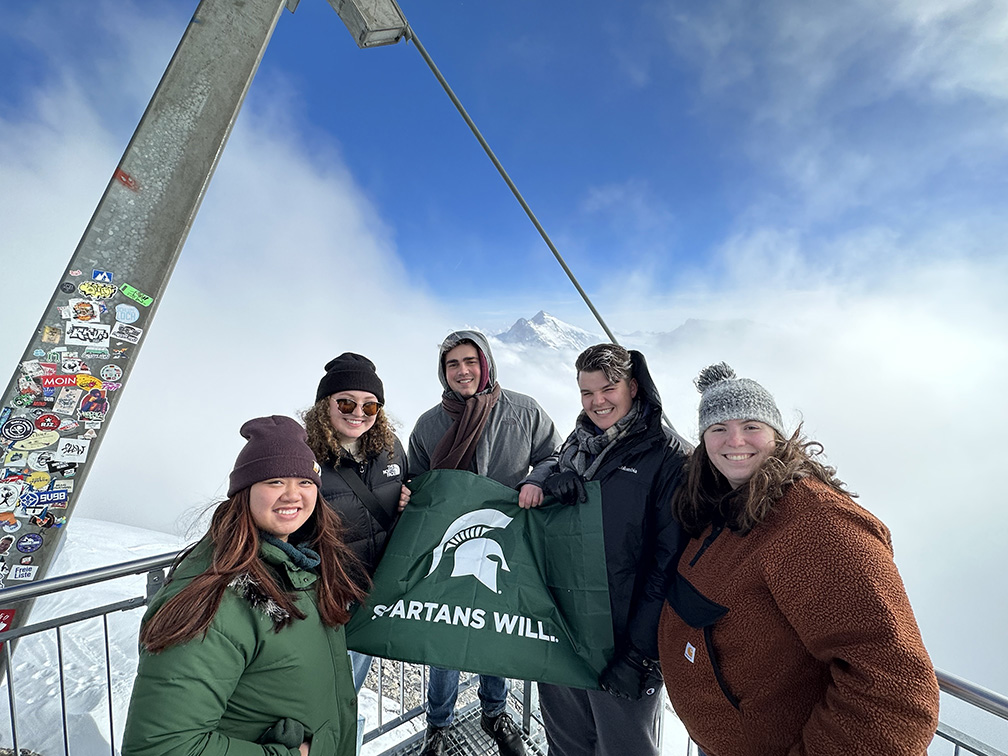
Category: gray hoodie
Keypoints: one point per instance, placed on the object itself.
(519, 435)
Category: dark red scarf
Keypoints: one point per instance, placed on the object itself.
(457, 446)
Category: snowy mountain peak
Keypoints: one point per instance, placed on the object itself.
(546, 331)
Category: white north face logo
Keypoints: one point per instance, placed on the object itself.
(473, 552)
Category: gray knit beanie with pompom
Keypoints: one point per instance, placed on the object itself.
(725, 396)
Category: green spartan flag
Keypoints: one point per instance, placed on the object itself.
(472, 581)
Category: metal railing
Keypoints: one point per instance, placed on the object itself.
(398, 688)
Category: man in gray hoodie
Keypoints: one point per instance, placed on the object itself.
(508, 437)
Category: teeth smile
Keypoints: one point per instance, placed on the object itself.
(285, 512)
(737, 457)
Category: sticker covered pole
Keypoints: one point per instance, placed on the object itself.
(56, 409)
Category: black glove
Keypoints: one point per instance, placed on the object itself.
(567, 486)
(287, 732)
(631, 675)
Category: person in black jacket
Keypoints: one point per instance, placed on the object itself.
(364, 467)
(619, 440)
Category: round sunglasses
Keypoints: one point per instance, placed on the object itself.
(347, 406)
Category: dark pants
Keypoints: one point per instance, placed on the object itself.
(594, 723)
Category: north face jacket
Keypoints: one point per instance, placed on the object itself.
(518, 434)
(383, 476)
(218, 694)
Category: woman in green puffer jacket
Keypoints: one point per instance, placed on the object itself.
(243, 651)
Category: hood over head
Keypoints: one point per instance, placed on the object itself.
(487, 365)
(647, 389)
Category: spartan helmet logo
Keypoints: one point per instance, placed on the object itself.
(472, 551)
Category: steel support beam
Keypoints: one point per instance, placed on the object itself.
(56, 409)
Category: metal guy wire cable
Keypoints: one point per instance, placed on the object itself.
(411, 37)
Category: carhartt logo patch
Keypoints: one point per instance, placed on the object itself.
(690, 652)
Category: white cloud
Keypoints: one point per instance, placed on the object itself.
(854, 106)
(887, 337)
(286, 266)
(892, 351)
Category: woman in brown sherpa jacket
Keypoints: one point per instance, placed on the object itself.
(787, 629)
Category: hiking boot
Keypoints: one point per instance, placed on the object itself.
(435, 741)
(505, 733)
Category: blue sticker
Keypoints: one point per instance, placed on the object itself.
(29, 542)
(43, 498)
(125, 313)
(104, 276)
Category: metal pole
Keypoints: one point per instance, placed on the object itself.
(57, 407)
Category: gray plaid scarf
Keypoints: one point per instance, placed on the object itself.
(586, 448)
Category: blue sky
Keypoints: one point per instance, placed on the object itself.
(824, 183)
(653, 137)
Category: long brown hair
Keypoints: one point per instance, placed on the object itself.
(323, 441)
(235, 542)
(707, 496)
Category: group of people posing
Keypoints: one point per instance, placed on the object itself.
(742, 576)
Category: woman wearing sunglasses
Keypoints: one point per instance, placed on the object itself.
(363, 463)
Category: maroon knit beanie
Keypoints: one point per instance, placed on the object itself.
(276, 448)
(350, 372)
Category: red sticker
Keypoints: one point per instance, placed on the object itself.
(47, 422)
(126, 180)
(6, 618)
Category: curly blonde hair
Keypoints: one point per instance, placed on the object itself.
(706, 496)
(322, 439)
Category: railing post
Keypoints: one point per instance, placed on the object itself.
(527, 706)
(155, 580)
(10, 695)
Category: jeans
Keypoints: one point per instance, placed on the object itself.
(442, 690)
(361, 665)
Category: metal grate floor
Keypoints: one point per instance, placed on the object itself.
(466, 738)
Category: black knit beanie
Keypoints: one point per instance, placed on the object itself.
(350, 372)
(276, 448)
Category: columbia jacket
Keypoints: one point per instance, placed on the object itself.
(517, 435)
(218, 694)
(383, 476)
(642, 540)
